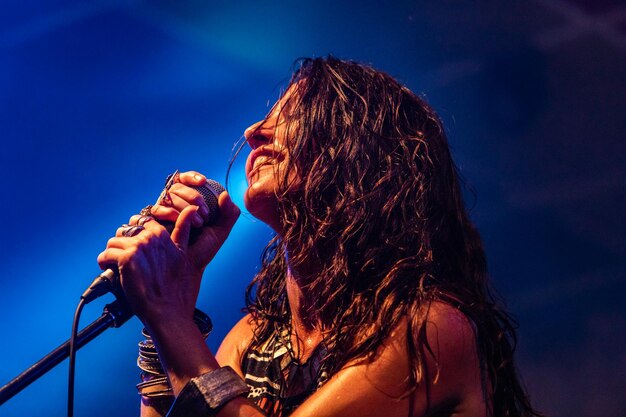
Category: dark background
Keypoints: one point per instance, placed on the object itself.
(100, 100)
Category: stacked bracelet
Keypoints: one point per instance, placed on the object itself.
(154, 387)
(154, 382)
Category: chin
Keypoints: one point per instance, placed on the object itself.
(262, 204)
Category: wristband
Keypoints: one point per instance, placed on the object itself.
(204, 395)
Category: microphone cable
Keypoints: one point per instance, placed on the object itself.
(72, 359)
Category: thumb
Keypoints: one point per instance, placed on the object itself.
(182, 228)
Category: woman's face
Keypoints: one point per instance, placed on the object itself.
(267, 162)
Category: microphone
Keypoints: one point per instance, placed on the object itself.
(108, 280)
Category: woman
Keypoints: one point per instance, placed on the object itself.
(372, 298)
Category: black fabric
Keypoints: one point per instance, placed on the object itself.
(278, 382)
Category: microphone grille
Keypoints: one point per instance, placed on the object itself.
(210, 192)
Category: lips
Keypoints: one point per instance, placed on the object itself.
(260, 156)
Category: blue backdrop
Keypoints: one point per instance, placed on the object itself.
(100, 100)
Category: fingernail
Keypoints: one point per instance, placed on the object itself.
(198, 177)
(204, 210)
(198, 221)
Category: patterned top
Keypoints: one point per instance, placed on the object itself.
(278, 382)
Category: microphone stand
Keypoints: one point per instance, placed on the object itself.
(115, 314)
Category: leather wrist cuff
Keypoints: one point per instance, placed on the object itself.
(206, 394)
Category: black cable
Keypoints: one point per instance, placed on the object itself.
(72, 356)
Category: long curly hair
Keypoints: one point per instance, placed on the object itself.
(380, 215)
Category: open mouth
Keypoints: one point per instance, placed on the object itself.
(260, 158)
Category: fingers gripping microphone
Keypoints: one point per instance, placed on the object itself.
(210, 192)
(107, 281)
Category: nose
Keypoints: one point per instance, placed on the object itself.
(259, 134)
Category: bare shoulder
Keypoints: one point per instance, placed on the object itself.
(453, 378)
(448, 384)
(451, 381)
(235, 343)
(450, 334)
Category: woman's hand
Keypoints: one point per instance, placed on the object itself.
(160, 273)
(181, 195)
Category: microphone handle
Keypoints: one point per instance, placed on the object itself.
(108, 280)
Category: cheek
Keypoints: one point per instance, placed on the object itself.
(295, 180)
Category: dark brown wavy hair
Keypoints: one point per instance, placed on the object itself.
(380, 215)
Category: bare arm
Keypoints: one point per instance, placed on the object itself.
(160, 275)
(229, 353)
